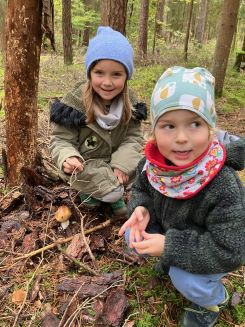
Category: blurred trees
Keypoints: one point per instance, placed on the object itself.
(114, 14)
(226, 29)
(201, 22)
(2, 24)
(67, 32)
(143, 28)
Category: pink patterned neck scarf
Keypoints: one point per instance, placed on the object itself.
(183, 182)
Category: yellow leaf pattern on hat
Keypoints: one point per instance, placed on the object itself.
(196, 102)
(164, 93)
(197, 77)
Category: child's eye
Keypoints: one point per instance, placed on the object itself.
(117, 74)
(195, 124)
(166, 126)
(98, 72)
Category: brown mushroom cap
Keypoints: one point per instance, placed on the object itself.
(63, 214)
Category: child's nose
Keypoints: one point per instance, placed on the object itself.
(181, 136)
(107, 80)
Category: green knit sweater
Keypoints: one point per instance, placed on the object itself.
(204, 234)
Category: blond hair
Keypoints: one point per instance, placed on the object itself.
(92, 99)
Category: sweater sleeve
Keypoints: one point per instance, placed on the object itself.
(220, 245)
(129, 153)
(63, 144)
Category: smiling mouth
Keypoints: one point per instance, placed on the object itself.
(182, 153)
(107, 90)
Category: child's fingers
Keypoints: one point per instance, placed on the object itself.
(148, 236)
(141, 247)
(131, 237)
(125, 226)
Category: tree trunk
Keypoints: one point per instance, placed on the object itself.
(240, 57)
(188, 31)
(114, 14)
(158, 32)
(201, 23)
(2, 27)
(227, 25)
(131, 10)
(67, 32)
(200, 29)
(143, 28)
(23, 46)
(159, 17)
(86, 31)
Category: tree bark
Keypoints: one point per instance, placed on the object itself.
(240, 57)
(23, 46)
(159, 17)
(2, 27)
(200, 30)
(188, 31)
(67, 32)
(114, 14)
(86, 31)
(227, 25)
(143, 28)
(158, 32)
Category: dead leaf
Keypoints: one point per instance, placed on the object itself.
(9, 225)
(18, 296)
(29, 242)
(87, 286)
(3, 239)
(35, 288)
(12, 200)
(77, 247)
(98, 307)
(97, 243)
(3, 291)
(50, 320)
(115, 308)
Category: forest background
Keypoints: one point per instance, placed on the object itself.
(163, 34)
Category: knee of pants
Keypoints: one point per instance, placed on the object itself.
(196, 287)
(113, 196)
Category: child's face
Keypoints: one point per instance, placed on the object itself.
(108, 78)
(181, 136)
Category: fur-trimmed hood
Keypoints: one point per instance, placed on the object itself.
(67, 116)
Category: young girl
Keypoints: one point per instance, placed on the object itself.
(96, 140)
(187, 205)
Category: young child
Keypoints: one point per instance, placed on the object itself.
(96, 140)
(187, 205)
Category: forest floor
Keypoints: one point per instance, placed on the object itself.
(84, 275)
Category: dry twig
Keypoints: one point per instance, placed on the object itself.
(62, 241)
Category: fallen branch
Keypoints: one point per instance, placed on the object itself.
(78, 263)
(62, 241)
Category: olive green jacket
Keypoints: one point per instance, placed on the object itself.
(101, 150)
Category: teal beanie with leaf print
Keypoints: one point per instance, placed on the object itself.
(183, 88)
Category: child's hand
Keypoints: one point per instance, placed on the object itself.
(153, 244)
(137, 224)
(121, 176)
(71, 164)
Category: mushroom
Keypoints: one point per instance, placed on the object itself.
(62, 215)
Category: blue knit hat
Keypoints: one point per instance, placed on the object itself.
(182, 88)
(110, 44)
